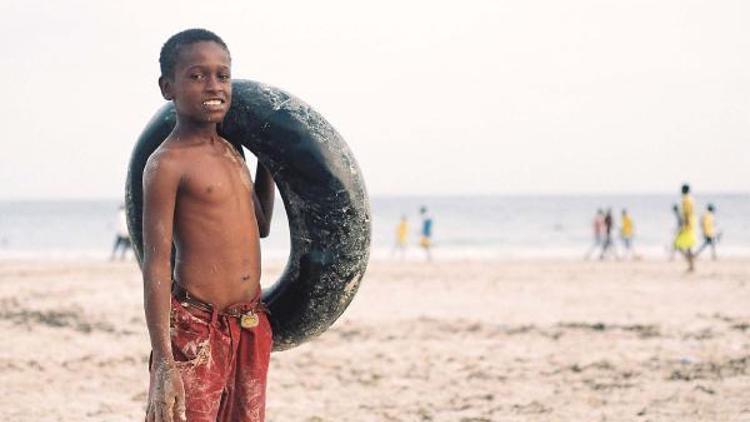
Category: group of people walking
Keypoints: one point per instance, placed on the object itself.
(685, 236)
(425, 238)
(604, 243)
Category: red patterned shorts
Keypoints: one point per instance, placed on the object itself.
(223, 365)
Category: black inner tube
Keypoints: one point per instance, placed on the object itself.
(323, 193)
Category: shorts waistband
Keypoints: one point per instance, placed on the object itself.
(236, 310)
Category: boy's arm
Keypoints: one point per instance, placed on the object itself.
(160, 184)
(263, 196)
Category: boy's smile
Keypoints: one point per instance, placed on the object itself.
(201, 86)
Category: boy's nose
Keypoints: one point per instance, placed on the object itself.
(213, 84)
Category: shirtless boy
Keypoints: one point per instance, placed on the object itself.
(210, 337)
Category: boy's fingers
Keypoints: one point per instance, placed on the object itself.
(166, 414)
(179, 406)
(154, 415)
(179, 415)
(159, 412)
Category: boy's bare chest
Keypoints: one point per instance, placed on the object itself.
(214, 178)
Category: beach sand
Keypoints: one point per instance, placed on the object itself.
(453, 341)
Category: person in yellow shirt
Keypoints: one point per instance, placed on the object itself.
(402, 232)
(710, 236)
(627, 231)
(686, 239)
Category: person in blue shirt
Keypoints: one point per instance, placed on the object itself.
(425, 241)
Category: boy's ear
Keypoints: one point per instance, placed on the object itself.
(165, 85)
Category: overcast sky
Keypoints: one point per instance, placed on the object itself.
(491, 97)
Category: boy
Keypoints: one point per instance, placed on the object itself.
(425, 241)
(710, 238)
(210, 338)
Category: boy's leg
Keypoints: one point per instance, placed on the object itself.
(690, 259)
(245, 397)
(202, 354)
(594, 247)
(605, 247)
(115, 248)
(126, 244)
(703, 246)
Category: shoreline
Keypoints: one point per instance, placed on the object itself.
(382, 260)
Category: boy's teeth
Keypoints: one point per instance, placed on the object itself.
(212, 102)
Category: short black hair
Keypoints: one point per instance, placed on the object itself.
(171, 49)
(685, 188)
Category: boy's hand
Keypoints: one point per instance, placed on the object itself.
(166, 399)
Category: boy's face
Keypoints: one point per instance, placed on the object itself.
(201, 86)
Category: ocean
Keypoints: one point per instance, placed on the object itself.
(464, 227)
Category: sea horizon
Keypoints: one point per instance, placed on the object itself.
(466, 226)
(586, 194)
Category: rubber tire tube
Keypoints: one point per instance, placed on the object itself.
(323, 192)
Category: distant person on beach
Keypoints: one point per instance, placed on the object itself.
(686, 238)
(627, 231)
(425, 240)
(598, 229)
(710, 235)
(122, 237)
(402, 233)
(210, 334)
(609, 245)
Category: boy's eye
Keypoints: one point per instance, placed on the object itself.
(196, 76)
(224, 77)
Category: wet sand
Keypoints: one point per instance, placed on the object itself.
(459, 341)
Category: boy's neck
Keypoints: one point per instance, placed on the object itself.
(189, 129)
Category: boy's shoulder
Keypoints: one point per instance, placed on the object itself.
(171, 152)
(169, 157)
